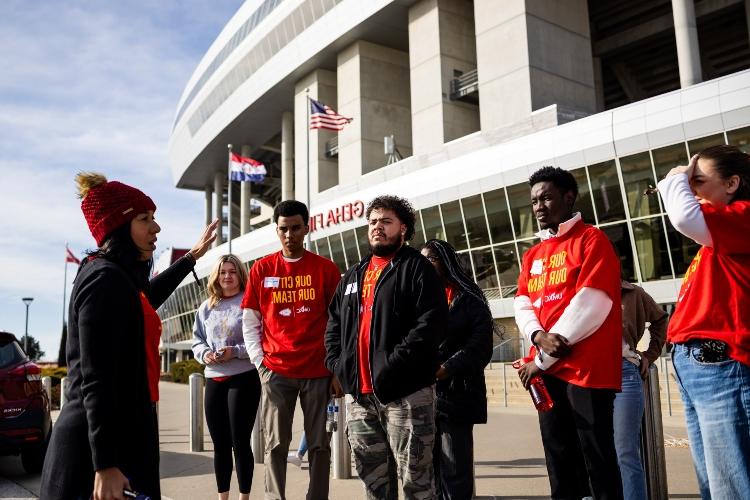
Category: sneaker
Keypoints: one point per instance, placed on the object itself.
(293, 458)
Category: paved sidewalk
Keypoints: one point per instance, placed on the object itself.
(509, 459)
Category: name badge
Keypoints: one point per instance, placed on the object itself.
(537, 267)
(271, 282)
(351, 288)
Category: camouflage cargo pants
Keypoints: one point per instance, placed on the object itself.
(392, 442)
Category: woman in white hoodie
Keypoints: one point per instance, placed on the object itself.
(232, 383)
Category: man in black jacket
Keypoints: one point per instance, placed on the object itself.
(385, 322)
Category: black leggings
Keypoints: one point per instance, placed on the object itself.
(231, 407)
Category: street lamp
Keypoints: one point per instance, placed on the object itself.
(27, 301)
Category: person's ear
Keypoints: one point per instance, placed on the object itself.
(733, 184)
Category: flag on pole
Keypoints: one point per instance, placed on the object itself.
(69, 257)
(322, 116)
(246, 169)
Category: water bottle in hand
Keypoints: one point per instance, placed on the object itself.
(539, 394)
(331, 416)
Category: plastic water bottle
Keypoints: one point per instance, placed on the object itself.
(539, 394)
(332, 416)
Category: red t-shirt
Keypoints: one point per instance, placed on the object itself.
(293, 299)
(714, 300)
(552, 272)
(377, 264)
(152, 335)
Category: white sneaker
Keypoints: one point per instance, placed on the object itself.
(295, 459)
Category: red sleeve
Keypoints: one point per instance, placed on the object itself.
(251, 300)
(600, 268)
(523, 275)
(729, 226)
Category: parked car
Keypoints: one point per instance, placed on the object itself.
(25, 421)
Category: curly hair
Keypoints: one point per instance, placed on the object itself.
(400, 206)
(290, 208)
(561, 179)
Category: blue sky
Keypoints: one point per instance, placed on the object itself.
(88, 85)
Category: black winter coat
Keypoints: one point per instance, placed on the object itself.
(466, 350)
(408, 318)
(108, 419)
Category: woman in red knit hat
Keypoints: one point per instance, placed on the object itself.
(106, 438)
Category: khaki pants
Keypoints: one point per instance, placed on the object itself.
(279, 396)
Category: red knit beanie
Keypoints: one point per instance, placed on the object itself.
(108, 205)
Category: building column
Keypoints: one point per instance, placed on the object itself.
(441, 45)
(219, 176)
(323, 170)
(532, 54)
(374, 90)
(207, 207)
(686, 36)
(287, 155)
(246, 189)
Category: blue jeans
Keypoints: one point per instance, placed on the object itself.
(717, 410)
(627, 422)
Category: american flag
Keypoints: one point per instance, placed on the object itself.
(322, 116)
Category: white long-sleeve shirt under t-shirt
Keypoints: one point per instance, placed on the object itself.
(252, 328)
(585, 314)
(683, 209)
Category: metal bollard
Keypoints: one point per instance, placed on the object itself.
(505, 386)
(652, 438)
(47, 386)
(669, 393)
(63, 386)
(341, 454)
(256, 438)
(196, 412)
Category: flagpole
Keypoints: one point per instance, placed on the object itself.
(65, 282)
(307, 126)
(229, 201)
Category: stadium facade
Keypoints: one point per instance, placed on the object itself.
(454, 104)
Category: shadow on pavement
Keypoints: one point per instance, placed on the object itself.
(174, 464)
(518, 463)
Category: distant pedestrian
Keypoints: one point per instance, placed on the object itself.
(106, 438)
(638, 309)
(232, 383)
(709, 202)
(461, 390)
(385, 324)
(284, 320)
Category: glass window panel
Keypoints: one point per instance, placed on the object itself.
(350, 247)
(476, 224)
(454, 225)
(433, 228)
(362, 241)
(507, 268)
(618, 235)
(583, 203)
(337, 252)
(666, 158)
(683, 249)
(418, 239)
(740, 138)
(519, 196)
(606, 190)
(497, 215)
(651, 246)
(638, 178)
(323, 249)
(484, 269)
(698, 145)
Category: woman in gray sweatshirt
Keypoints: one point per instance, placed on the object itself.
(232, 383)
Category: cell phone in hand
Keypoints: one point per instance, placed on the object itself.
(134, 494)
